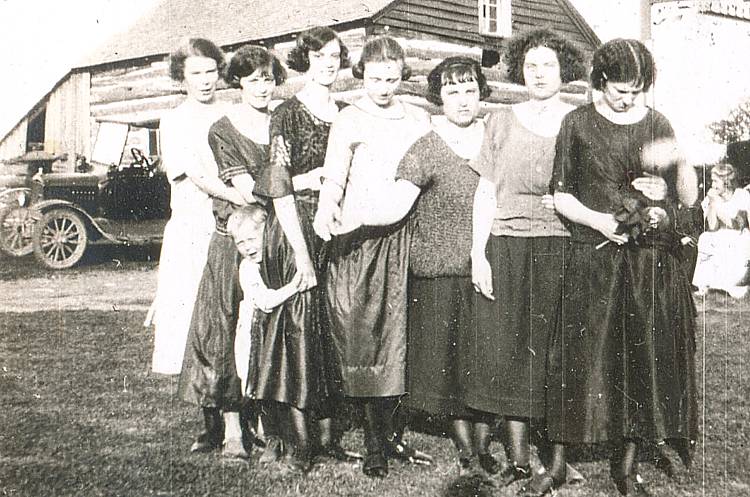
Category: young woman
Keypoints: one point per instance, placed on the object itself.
(366, 278)
(239, 142)
(299, 135)
(193, 179)
(621, 364)
(436, 174)
(519, 245)
(724, 249)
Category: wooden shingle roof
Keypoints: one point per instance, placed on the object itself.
(226, 22)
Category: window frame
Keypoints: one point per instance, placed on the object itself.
(502, 18)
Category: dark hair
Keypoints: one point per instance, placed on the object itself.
(314, 39)
(727, 174)
(623, 61)
(453, 70)
(248, 59)
(381, 49)
(248, 213)
(194, 47)
(569, 56)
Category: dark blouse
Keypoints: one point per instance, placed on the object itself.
(298, 145)
(235, 154)
(596, 160)
(441, 238)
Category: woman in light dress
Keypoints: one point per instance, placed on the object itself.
(192, 174)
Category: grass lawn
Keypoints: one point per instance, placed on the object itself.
(80, 415)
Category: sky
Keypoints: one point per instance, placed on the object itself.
(40, 40)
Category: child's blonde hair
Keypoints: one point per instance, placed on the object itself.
(252, 214)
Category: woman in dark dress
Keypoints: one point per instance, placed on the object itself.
(239, 142)
(289, 364)
(621, 367)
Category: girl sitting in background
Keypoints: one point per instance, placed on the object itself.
(724, 250)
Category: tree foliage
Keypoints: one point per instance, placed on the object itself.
(735, 127)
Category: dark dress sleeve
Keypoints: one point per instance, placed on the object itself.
(564, 167)
(418, 164)
(229, 159)
(276, 178)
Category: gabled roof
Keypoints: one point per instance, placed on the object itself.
(226, 22)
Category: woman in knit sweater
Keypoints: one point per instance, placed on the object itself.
(436, 182)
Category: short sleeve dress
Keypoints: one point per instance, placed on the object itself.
(184, 140)
(367, 270)
(440, 311)
(289, 360)
(621, 363)
(209, 374)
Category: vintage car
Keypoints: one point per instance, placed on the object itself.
(69, 211)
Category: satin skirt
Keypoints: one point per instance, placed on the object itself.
(622, 359)
(289, 360)
(209, 374)
(366, 288)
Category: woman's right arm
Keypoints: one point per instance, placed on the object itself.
(572, 209)
(338, 160)
(485, 203)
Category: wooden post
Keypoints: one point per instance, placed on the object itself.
(645, 18)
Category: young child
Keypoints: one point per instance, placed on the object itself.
(246, 225)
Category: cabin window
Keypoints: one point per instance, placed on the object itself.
(494, 17)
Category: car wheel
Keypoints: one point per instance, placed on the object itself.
(59, 238)
(16, 226)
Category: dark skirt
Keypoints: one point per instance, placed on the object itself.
(508, 345)
(440, 315)
(288, 360)
(366, 298)
(209, 374)
(622, 358)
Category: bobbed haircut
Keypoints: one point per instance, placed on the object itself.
(381, 49)
(623, 61)
(727, 174)
(251, 216)
(194, 47)
(454, 70)
(313, 40)
(572, 67)
(248, 59)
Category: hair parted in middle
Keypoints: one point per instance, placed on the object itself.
(194, 47)
(314, 39)
(248, 59)
(454, 70)
(572, 67)
(381, 49)
(623, 61)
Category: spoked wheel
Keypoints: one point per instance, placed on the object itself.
(59, 238)
(16, 226)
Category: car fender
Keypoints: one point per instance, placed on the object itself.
(12, 194)
(39, 208)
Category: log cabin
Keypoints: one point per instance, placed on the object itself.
(125, 82)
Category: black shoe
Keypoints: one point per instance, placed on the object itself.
(513, 473)
(375, 465)
(488, 463)
(631, 485)
(338, 453)
(398, 449)
(273, 451)
(540, 485)
(298, 461)
(206, 442)
(467, 466)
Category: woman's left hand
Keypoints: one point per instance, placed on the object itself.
(548, 202)
(653, 187)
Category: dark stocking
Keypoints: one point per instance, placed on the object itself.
(623, 460)
(482, 434)
(373, 427)
(213, 423)
(298, 424)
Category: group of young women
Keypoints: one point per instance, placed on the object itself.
(523, 266)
